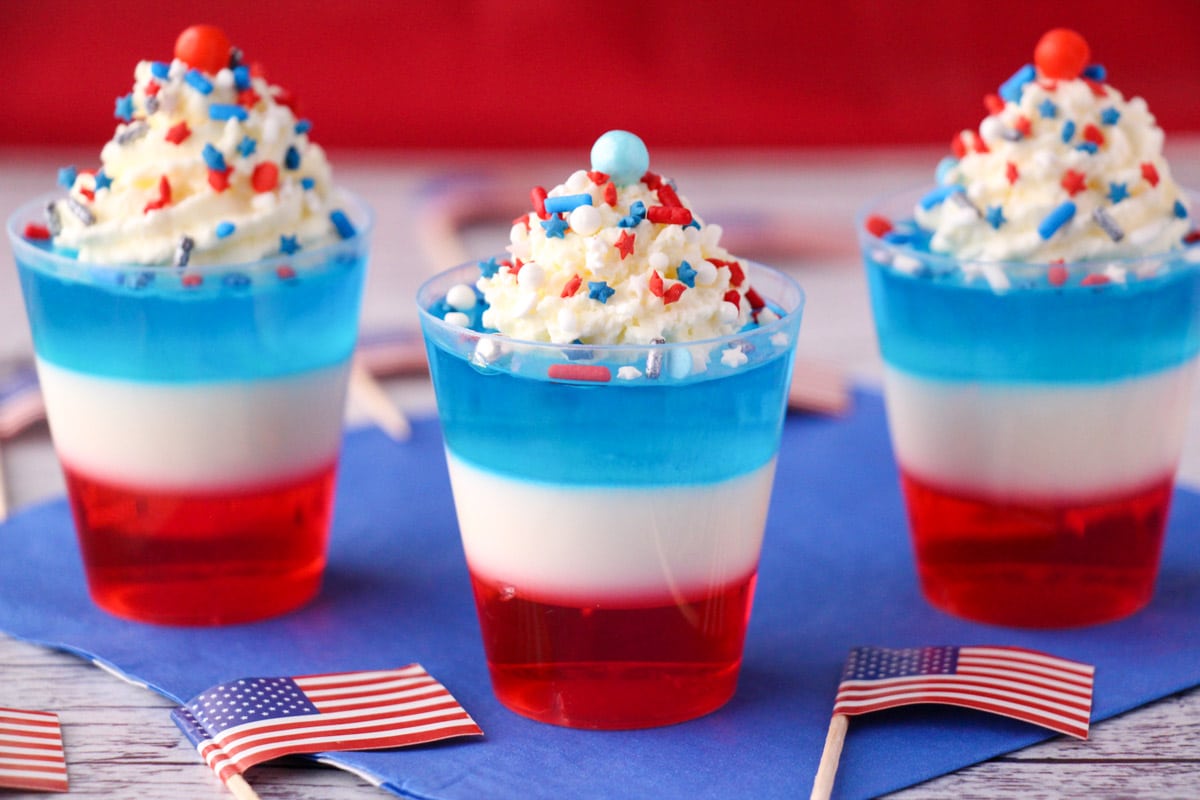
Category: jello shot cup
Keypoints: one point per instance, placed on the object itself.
(612, 501)
(197, 415)
(1037, 413)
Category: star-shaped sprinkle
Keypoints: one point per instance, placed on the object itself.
(288, 245)
(1047, 109)
(489, 267)
(247, 146)
(102, 180)
(625, 244)
(995, 216)
(1109, 116)
(177, 133)
(124, 108)
(600, 290)
(1074, 182)
(1117, 192)
(66, 177)
(555, 227)
(686, 274)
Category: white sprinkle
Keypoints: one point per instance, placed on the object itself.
(457, 318)
(584, 220)
(531, 276)
(461, 297)
(780, 339)
(907, 264)
(487, 350)
(659, 261)
(629, 373)
(729, 313)
(706, 273)
(733, 357)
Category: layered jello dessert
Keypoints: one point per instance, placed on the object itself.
(1037, 315)
(612, 392)
(193, 302)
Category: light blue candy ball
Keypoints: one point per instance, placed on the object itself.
(622, 156)
(943, 170)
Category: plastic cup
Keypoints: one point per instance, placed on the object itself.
(1037, 413)
(612, 502)
(197, 415)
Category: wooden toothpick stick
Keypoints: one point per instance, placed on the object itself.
(827, 769)
(240, 789)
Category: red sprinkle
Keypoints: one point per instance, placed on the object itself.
(177, 133)
(90, 194)
(218, 179)
(1093, 134)
(579, 372)
(1192, 237)
(572, 286)
(878, 225)
(1074, 182)
(978, 144)
(652, 181)
(514, 268)
(538, 195)
(284, 97)
(625, 244)
(152, 89)
(248, 98)
(265, 176)
(522, 220)
(667, 196)
(733, 296)
(1023, 126)
(1150, 173)
(1057, 275)
(192, 281)
(164, 195)
(993, 103)
(610, 194)
(669, 215)
(1012, 173)
(656, 284)
(736, 276)
(36, 232)
(755, 299)
(1098, 89)
(285, 272)
(958, 147)
(1094, 279)
(674, 293)
(597, 177)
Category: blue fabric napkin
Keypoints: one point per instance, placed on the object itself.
(836, 572)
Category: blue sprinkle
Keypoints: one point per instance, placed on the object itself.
(307, 183)
(637, 213)
(291, 159)
(938, 195)
(247, 146)
(686, 274)
(1068, 131)
(1095, 72)
(1056, 219)
(1088, 147)
(489, 268)
(897, 237)
(224, 111)
(345, 228)
(943, 169)
(1047, 109)
(66, 177)
(567, 203)
(225, 229)
(288, 245)
(1011, 89)
(600, 290)
(241, 77)
(555, 227)
(1110, 116)
(213, 158)
(124, 108)
(195, 79)
(995, 216)
(622, 156)
(160, 70)
(236, 280)
(1180, 209)
(1118, 192)
(693, 224)
(303, 126)
(102, 180)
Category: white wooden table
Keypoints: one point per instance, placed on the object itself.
(120, 741)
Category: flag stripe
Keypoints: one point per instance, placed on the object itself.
(853, 706)
(1014, 687)
(31, 751)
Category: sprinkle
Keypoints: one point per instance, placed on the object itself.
(637, 213)
(628, 373)
(291, 159)
(457, 318)
(133, 132)
(654, 360)
(1150, 173)
(88, 194)
(1056, 219)
(1095, 72)
(265, 176)
(733, 357)
(124, 108)
(669, 215)
(597, 177)
(1098, 88)
(213, 158)
(666, 195)
(218, 179)
(307, 183)
(656, 284)
(1047, 109)
(538, 195)
(303, 126)
(941, 173)
(1068, 131)
(555, 227)
(224, 111)
(53, 221)
(1010, 134)
(248, 98)
(686, 274)
(1074, 182)
(595, 373)
(1088, 147)
(755, 299)
(961, 200)
(600, 290)
(565, 204)
(247, 146)
(877, 225)
(81, 211)
(152, 101)
(938, 195)
(35, 232)
(733, 296)
(1093, 134)
(1117, 192)
(1095, 279)
(1057, 275)
(66, 177)
(191, 280)
(622, 155)
(160, 70)
(342, 223)
(957, 147)
(225, 229)
(183, 254)
(995, 216)
(1011, 89)
(993, 103)
(236, 280)
(288, 245)
(1108, 224)
(241, 77)
(571, 286)
(1023, 125)
(1180, 210)
(102, 181)
(285, 272)
(164, 196)
(1011, 172)
(489, 267)
(1192, 237)
(176, 134)
(673, 293)
(625, 244)
(610, 194)
(585, 220)
(1110, 116)
(195, 79)
(652, 180)
(461, 297)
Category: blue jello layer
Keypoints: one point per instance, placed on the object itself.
(638, 434)
(941, 327)
(233, 325)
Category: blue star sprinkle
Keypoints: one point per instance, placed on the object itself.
(489, 268)
(102, 181)
(247, 146)
(555, 227)
(686, 274)
(1109, 116)
(1047, 109)
(600, 290)
(1118, 192)
(124, 108)
(995, 216)
(288, 245)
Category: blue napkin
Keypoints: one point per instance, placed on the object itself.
(836, 572)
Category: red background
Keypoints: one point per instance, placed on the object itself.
(538, 73)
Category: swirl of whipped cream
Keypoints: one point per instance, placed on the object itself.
(204, 168)
(604, 261)
(1062, 169)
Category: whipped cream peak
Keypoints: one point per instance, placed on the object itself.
(1064, 167)
(615, 255)
(208, 164)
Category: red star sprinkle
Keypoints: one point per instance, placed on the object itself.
(656, 284)
(164, 196)
(732, 296)
(152, 89)
(176, 134)
(248, 98)
(1093, 134)
(218, 179)
(1074, 182)
(1011, 172)
(625, 244)
(572, 286)
(1150, 173)
(674, 293)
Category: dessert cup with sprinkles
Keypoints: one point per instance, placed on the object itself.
(612, 501)
(1038, 314)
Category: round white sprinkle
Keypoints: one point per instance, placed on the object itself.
(461, 297)
(729, 313)
(531, 276)
(457, 318)
(706, 273)
(659, 261)
(584, 220)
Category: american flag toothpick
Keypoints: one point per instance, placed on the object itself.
(31, 751)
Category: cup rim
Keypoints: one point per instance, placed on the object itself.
(361, 212)
(783, 323)
(944, 262)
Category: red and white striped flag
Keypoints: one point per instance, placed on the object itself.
(31, 751)
(237, 725)
(1014, 682)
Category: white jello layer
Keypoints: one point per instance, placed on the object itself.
(208, 435)
(611, 544)
(1036, 439)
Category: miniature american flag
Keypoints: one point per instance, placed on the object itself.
(237, 725)
(31, 751)
(1024, 684)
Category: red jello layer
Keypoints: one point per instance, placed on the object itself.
(1037, 563)
(592, 666)
(203, 557)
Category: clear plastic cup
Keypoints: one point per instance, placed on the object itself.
(1037, 413)
(197, 415)
(612, 501)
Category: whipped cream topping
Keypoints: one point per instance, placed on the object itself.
(1063, 167)
(615, 256)
(203, 167)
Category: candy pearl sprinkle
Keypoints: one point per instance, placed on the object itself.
(622, 156)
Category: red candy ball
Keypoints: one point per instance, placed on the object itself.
(1061, 54)
(204, 47)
